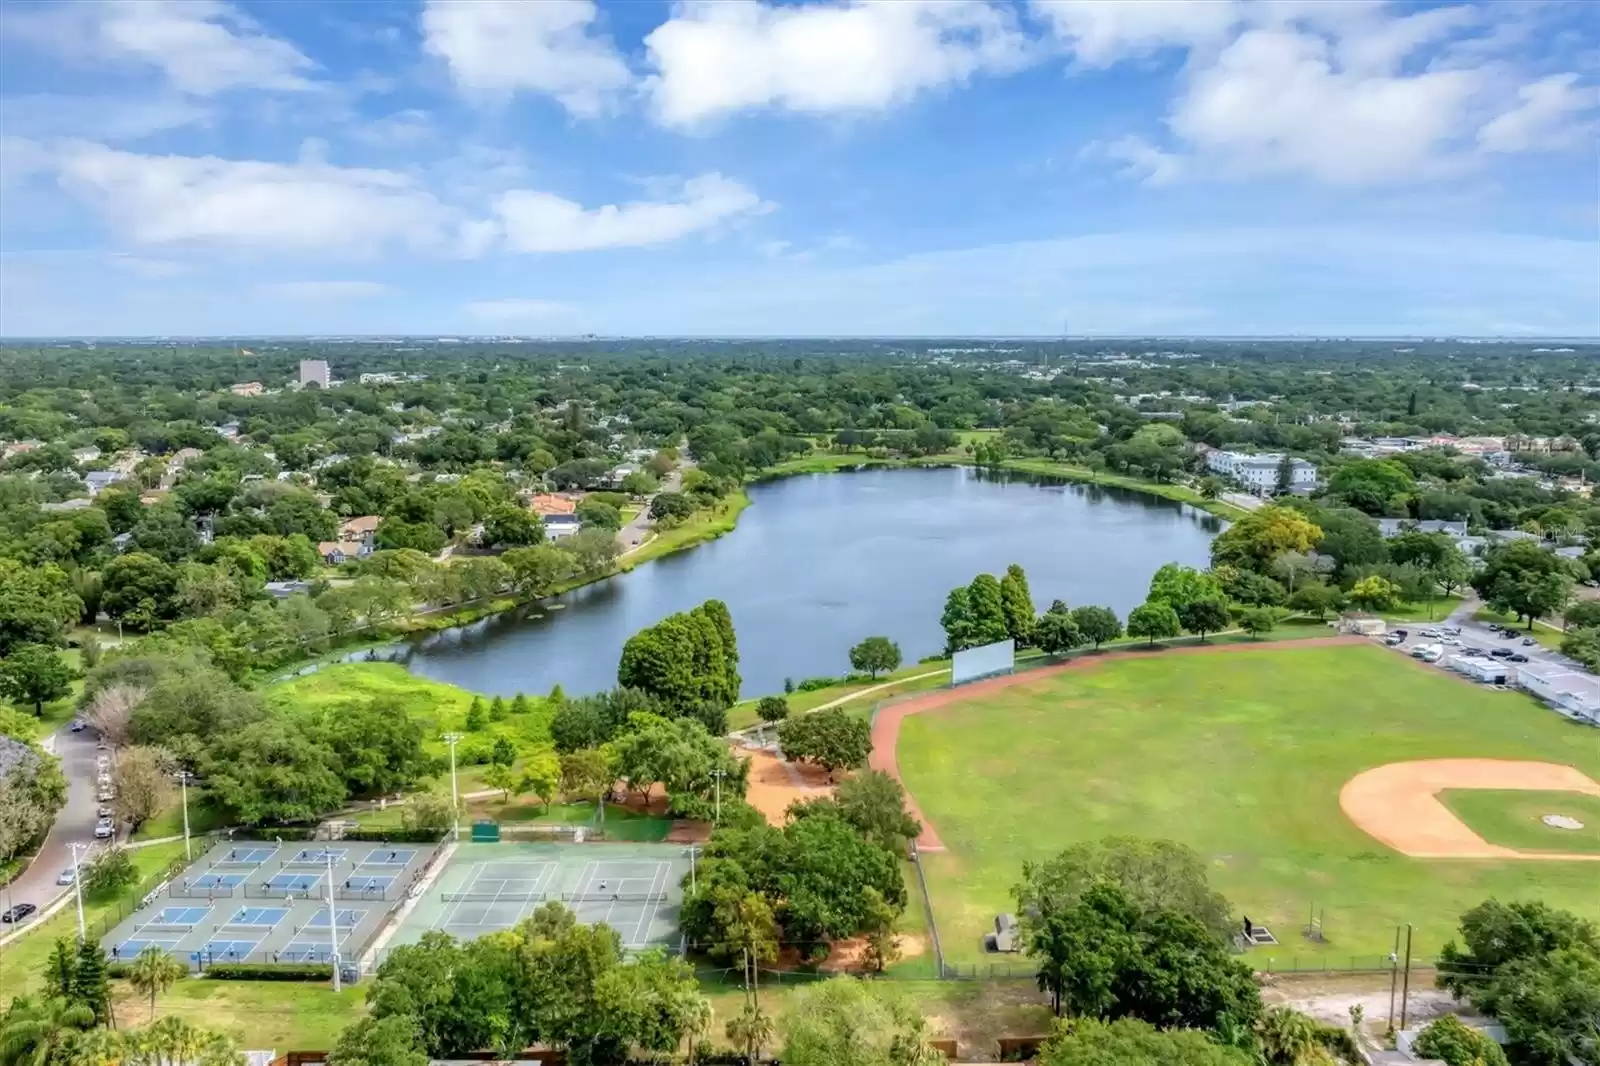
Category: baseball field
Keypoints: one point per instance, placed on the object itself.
(1328, 777)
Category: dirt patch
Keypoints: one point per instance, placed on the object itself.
(886, 723)
(1398, 804)
(684, 831)
(776, 783)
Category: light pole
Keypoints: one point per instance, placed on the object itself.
(77, 889)
(453, 739)
(183, 786)
(718, 775)
(693, 889)
(333, 922)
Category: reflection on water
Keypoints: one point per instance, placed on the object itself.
(819, 562)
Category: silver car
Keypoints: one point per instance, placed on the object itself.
(66, 877)
(104, 829)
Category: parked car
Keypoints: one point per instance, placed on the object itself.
(17, 913)
(1502, 653)
(1517, 658)
(104, 795)
(77, 725)
(104, 829)
(1401, 633)
(1430, 632)
(66, 877)
(1474, 651)
(1450, 640)
(1528, 642)
(104, 811)
(1394, 640)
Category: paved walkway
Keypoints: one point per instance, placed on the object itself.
(886, 723)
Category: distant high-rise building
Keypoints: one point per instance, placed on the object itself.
(314, 370)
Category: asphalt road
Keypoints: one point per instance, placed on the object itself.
(633, 534)
(1478, 635)
(75, 823)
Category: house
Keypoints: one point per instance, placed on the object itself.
(1259, 474)
(19, 447)
(1362, 625)
(314, 372)
(1393, 527)
(85, 455)
(96, 480)
(620, 472)
(546, 504)
(228, 431)
(121, 541)
(246, 388)
(284, 589)
(335, 552)
(384, 378)
(557, 526)
(362, 528)
(78, 503)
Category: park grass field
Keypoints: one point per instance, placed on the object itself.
(1240, 755)
(1513, 819)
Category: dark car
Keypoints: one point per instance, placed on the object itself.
(17, 913)
(1474, 651)
(1502, 653)
(1517, 658)
(77, 725)
(1402, 634)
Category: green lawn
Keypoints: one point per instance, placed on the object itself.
(1240, 756)
(1436, 610)
(203, 818)
(1513, 819)
(281, 1015)
(1543, 631)
(701, 526)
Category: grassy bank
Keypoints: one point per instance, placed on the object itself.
(1166, 490)
(699, 527)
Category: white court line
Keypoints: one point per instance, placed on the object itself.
(476, 870)
(664, 873)
(647, 912)
(536, 894)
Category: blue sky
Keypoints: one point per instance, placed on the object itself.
(741, 167)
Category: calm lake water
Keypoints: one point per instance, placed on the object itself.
(821, 561)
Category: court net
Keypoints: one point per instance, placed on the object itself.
(565, 897)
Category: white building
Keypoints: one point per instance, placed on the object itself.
(1259, 473)
(314, 371)
(1480, 668)
(1572, 692)
(385, 378)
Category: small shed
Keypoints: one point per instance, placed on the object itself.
(1362, 625)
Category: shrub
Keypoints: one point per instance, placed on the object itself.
(265, 971)
(1458, 1045)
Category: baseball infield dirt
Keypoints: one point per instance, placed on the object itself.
(1399, 805)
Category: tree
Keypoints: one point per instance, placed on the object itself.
(143, 785)
(1285, 473)
(542, 777)
(1056, 632)
(1549, 1007)
(1104, 956)
(685, 659)
(36, 674)
(1211, 487)
(140, 590)
(501, 778)
(957, 621)
(497, 709)
(1374, 593)
(1584, 614)
(844, 1022)
(1496, 934)
(875, 654)
(1177, 586)
(37, 604)
(875, 804)
(1208, 615)
(1017, 603)
(831, 738)
(988, 611)
(1317, 600)
(1454, 1044)
(1259, 621)
(1131, 1042)
(1153, 620)
(587, 774)
(273, 771)
(1262, 536)
(90, 984)
(538, 571)
(521, 706)
(509, 526)
(772, 708)
(882, 948)
(596, 514)
(477, 716)
(750, 1030)
(428, 812)
(1524, 579)
(42, 1032)
(389, 1041)
(1097, 624)
(154, 971)
(1369, 484)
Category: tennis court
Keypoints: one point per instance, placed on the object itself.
(634, 888)
(262, 903)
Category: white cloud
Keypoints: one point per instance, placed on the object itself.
(1543, 116)
(1100, 32)
(1273, 102)
(98, 118)
(202, 46)
(544, 46)
(543, 222)
(716, 58)
(321, 291)
(517, 309)
(251, 205)
(144, 267)
(1142, 160)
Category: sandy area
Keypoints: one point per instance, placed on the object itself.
(1398, 804)
(775, 784)
(886, 723)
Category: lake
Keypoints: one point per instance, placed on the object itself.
(821, 561)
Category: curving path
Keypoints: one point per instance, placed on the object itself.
(886, 722)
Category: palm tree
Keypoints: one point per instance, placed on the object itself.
(1288, 1037)
(153, 972)
(34, 1033)
(751, 1030)
(174, 1042)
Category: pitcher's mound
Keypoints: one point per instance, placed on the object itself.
(1399, 805)
(1561, 821)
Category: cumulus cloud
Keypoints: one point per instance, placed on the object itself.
(715, 58)
(1542, 117)
(203, 47)
(1101, 32)
(1141, 160)
(251, 205)
(541, 46)
(543, 222)
(321, 291)
(517, 310)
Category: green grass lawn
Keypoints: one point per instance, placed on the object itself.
(1436, 610)
(203, 818)
(1543, 631)
(1513, 819)
(1240, 756)
(281, 1015)
(701, 526)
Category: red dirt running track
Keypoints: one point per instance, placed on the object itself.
(886, 723)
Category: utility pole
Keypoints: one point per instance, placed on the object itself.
(692, 882)
(717, 776)
(453, 739)
(1394, 974)
(183, 785)
(77, 889)
(1405, 988)
(333, 922)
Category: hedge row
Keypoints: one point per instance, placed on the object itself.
(261, 971)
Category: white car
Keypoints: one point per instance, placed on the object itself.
(104, 829)
(104, 811)
(104, 796)
(66, 877)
